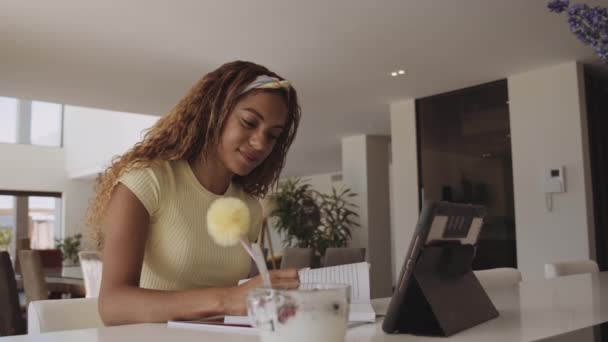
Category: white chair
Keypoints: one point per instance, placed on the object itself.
(498, 277)
(564, 268)
(91, 270)
(297, 257)
(343, 256)
(62, 314)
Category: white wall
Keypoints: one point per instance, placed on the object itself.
(547, 117)
(40, 168)
(77, 195)
(546, 131)
(365, 168)
(404, 179)
(93, 136)
(323, 182)
(32, 168)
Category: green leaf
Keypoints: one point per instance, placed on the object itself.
(310, 219)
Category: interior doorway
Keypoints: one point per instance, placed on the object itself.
(464, 152)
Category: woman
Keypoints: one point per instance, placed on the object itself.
(227, 137)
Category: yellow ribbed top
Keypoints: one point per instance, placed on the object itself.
(179, 253)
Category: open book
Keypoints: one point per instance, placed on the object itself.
(356, 275)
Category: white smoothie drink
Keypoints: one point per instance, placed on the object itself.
(313, 313)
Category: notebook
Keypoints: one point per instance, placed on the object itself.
(356, 275)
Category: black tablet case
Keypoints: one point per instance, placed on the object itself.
(444, 296)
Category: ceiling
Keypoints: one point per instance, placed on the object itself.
(142, 55)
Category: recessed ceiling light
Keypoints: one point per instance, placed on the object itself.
(399, 72)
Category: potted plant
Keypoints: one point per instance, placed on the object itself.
(70, 246)
(297, 213)
(309, 219)
(337, 219)
(5, 238)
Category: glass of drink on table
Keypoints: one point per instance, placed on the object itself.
(312, 312)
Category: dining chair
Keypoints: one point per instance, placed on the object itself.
(51, 258)
(498, 277)
(32, 274)
(297, 257)
(335, 256)
(63, 314)
(92, 266)
(564, 268)
(11, 320)
(22, 243)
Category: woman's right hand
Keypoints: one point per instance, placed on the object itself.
(235, 301)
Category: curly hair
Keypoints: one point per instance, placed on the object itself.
(192, 129)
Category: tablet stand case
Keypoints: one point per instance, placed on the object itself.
(445, 296)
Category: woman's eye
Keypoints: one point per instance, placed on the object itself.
(272, 137)
(247, 123)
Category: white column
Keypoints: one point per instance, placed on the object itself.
(365, 169)
(77, 196)
(24, 121)
(547, 116)
(58, 229)
(405, 179)
(22, 221)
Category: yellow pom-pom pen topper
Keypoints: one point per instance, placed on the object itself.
(228, 221)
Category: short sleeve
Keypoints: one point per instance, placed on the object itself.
(144, 183)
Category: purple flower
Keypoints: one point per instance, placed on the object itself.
(588, 24)
(558, 6)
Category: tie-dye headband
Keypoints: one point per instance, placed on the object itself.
(267, 82)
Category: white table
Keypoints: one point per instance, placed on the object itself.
(63, 280)
(531, 311)
(74, 272)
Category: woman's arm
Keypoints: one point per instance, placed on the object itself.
(122, 301)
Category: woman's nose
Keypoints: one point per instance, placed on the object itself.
(258, 141)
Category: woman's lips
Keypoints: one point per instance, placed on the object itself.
(252, 159)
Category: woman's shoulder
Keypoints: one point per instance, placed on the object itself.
(158, 172)
(150, 181)
(157, 167)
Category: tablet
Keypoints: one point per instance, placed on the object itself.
(439, 223)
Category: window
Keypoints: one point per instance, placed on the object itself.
(30, 122)
(8, 118)
(29, 220)
(7, 221)
(46, 122)
(42, 213)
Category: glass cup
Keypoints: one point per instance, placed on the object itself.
(313, 312)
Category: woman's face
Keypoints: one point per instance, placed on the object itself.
(251, 131)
